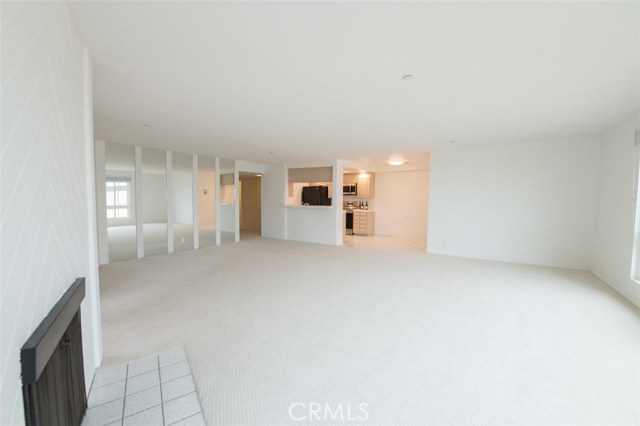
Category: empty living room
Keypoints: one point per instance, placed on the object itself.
(276, 213)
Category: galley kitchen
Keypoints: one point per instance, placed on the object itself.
(386, 208)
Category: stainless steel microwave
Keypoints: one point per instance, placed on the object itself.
(351, 189)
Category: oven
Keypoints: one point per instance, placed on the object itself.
(348, 225)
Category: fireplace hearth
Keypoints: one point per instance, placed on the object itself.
(53, 386)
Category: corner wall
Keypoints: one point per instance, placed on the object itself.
(46, 230)
(273, 201)
(615, 218)
(528, 202)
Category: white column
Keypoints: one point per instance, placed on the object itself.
(168, 197)
(139, 195)
(217, 197)
(236, 201)
(101, 205)
(196, 212)
(93, 277)
(337, 200)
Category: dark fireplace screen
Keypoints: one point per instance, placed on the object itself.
(53, 384)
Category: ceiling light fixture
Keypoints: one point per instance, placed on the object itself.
(258, 175)
(396, 162)
(407, 77)
(148, 126)
(452, 141)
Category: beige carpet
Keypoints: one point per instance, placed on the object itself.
(273, 328)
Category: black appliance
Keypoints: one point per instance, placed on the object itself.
(350, 189)
(348, 223)
(316, 196)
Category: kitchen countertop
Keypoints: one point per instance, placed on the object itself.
(358, 210)
(308, 207)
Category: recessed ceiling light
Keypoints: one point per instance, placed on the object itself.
(452, 141)
(407, 77)
(396, 162)
(271, 153)
(148, 126)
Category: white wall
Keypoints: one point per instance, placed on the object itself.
(615, 219)
(311, 224)
(273, 201)
(154, 204)
(532, 202)
(401, 200)
(46, 229)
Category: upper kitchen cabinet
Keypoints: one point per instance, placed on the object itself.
(365, 187)
(364, 182)
(350, 179)
(310, 174)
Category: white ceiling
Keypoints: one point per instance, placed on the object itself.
(322, 80)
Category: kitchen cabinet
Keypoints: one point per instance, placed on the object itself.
(365, 186)
(349, 179)
(363, 222)
(311, 174)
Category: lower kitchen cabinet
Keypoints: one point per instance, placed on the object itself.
(363, 222)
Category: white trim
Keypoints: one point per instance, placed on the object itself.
(196, 208)
(236, 201)
(139, 195)
(100, 148)
(635, 251)
(217, 199)
(92, 279)
(168, 200)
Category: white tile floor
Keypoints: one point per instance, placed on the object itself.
(386, 243)
(154, 391)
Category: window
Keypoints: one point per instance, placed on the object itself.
(118, 198)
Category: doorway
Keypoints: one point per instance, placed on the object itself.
(250, 196)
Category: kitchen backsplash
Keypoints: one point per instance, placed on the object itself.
(370, 201)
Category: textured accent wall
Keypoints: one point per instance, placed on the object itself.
(44, 222)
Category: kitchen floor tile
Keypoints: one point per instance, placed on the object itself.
(143, 381)
(181, 408)
(174, 371)
(149, 417)
(141, 401)
(177, 388)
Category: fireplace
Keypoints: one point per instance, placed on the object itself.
(53, 386)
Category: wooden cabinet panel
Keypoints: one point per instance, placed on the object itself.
(349, 179)
(311, 174)
(363, 222)
(365, 186)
